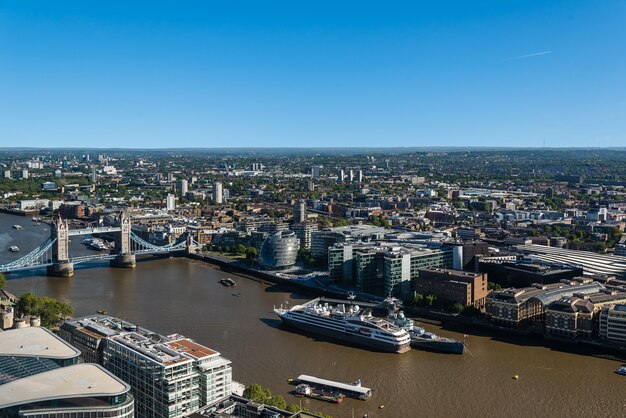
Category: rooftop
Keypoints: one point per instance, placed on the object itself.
(35, 342)
(77, 381)
(163, 349)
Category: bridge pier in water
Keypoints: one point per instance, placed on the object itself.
(61, 269)
(54, 252)
(124, 261)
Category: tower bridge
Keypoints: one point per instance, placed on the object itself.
(54, 252)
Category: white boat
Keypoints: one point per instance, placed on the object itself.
(621, 370)
(14, 248)
(346, 321)
(98, 245)
(18, 227)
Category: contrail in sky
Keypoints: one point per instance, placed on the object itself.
(536, 54)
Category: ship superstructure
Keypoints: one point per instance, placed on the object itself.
(345, 320)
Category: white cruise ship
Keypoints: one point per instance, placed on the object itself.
(346, 321)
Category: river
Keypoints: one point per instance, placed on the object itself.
(184, 296)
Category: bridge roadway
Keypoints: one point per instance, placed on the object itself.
(93, 230)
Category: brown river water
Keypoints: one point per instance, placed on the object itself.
(184, 296)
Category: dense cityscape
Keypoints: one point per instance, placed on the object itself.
(506, 242)
(312, 209)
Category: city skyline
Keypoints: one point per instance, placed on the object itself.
(315, 75)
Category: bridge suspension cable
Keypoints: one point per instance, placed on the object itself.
(142, 246)
(39, 257)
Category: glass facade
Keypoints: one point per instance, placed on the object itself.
(121, 406)
(279, 250)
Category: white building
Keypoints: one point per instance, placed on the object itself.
(170, 202)
(218, 193)
(171, 376)
(613, 323)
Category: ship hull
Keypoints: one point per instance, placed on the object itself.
(346, 338)
(450, 347)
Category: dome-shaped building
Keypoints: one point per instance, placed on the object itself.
(279, 250)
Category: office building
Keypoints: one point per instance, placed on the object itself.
(304, 232)
(359, 176)
(321, 240)
(81, 390)
(577, 316)
(464, 287)
(41, 377)
(299, 212)
(171, 376)
(613, 323)
(524, 273)
(218, 194)
(341, 176)
(514, 307)
(31, 350)
(279, 250)
(183, 187)
(383, 268)
(315, 172)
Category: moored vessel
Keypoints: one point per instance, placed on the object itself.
(621, 370)
(97, 245)
(228, 282)
(14, 248)
(420, 338)
(354, 390)
(18, 227)
(346, 321)
(328, 396)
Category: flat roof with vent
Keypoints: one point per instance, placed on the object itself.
(77, 381)
(35, 342)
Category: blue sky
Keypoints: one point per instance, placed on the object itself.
(319, 73)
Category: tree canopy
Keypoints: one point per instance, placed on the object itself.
(52, 311)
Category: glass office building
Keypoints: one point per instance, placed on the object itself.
(279, 251)
(171, 376)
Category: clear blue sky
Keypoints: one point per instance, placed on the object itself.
(312, 73)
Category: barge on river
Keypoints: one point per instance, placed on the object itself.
(352, 390)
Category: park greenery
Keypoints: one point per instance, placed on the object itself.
(3, 281)
(257, 393)
(51, 311)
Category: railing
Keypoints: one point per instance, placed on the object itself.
(42, 256)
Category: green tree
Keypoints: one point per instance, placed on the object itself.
(3, 281)
(418, 299)
(51, 311)
(469, 310)
(493, 286)
(456, 308)
(255, 393)
(252, 253)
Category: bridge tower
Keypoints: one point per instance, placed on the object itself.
(125, 258)
(62, 266)
(192, 248)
